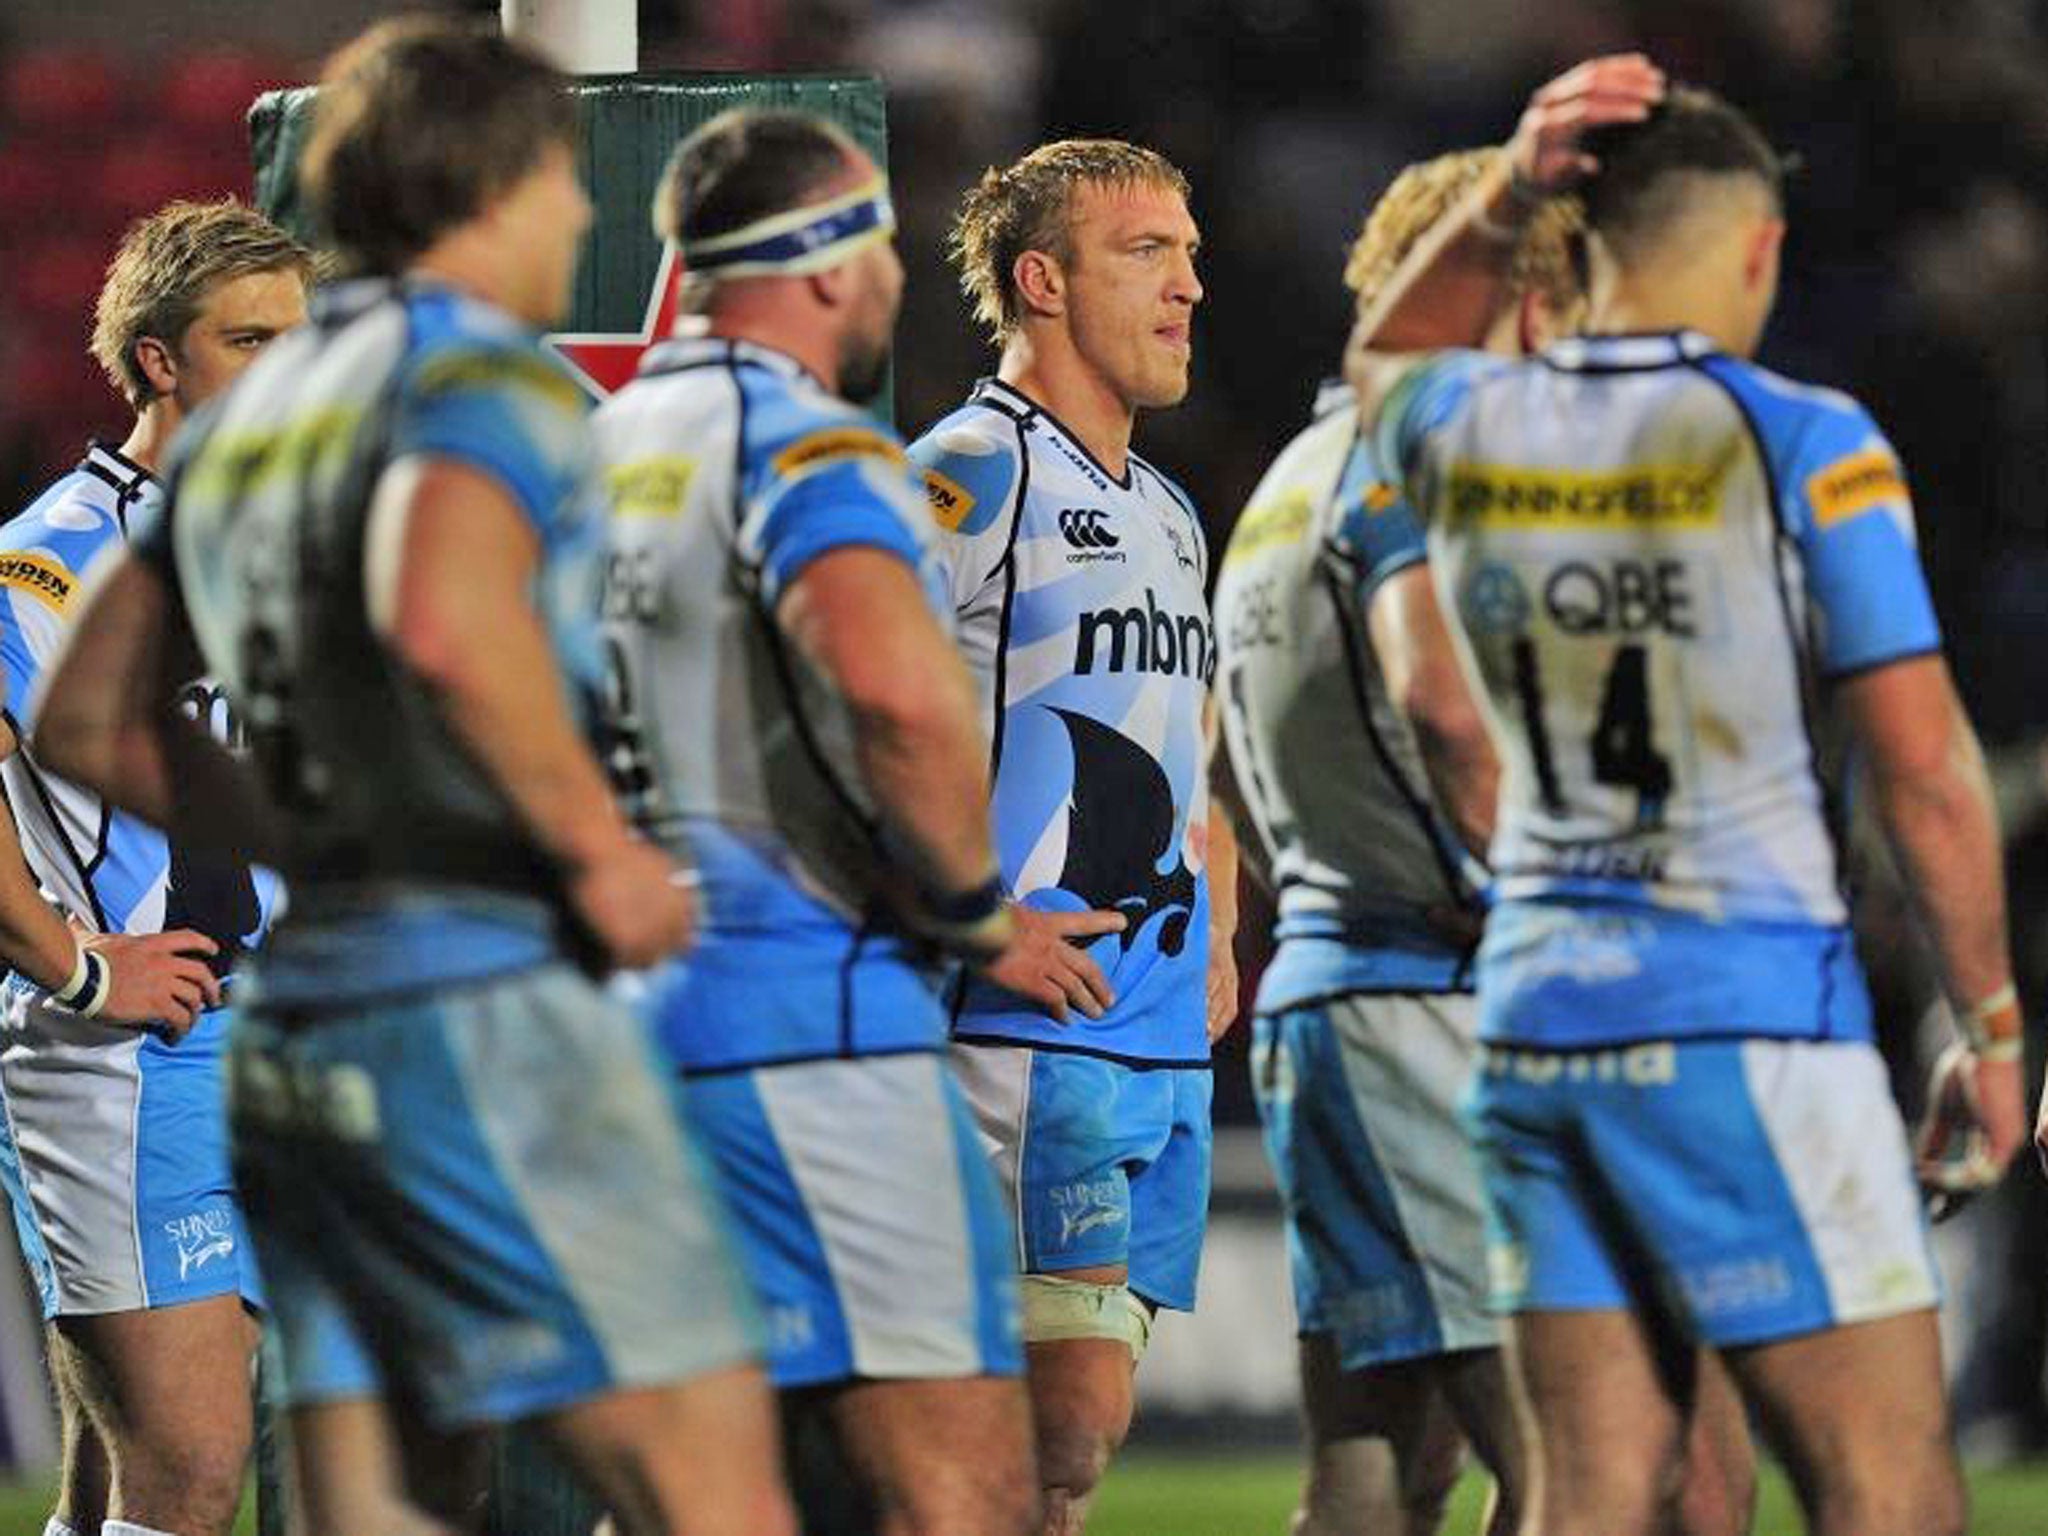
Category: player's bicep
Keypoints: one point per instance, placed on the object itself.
(857, 614)
(863, 501)
(505, 413)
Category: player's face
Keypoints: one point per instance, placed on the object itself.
(237, 319)
(1132, 289)
(871, 325)
(544, 215)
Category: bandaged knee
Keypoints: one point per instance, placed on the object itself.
(1056, 1309)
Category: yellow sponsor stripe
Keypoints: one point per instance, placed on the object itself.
(950, 500)
(817, 448)
(1522, 497)
(1283, 520)
(47, 581)
(1854, 484)
(649, 487)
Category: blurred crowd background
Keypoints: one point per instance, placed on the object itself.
(1916, 277)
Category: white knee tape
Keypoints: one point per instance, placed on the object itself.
(1056, 1309)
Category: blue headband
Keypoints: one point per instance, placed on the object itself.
(800, 241)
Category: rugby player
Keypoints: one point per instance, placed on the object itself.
(113, 1148)
(1335, 660)
(463, 1164)
(1077, 572)
(789, 710)
(1670, 567)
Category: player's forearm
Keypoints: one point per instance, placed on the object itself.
(1464, 774)
(1941, 824)
(1446, 292)
(34, 938)
(503, 700)
(1222, 864)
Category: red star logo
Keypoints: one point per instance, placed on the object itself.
(606, 361)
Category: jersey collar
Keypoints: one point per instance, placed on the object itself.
(680, 352)
(130, 481)
(1015, 402)
(1629, 353)
(1333, 395)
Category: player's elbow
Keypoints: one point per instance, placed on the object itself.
(903, 705)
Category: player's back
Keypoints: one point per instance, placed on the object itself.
(1658, 554)
(1082, 614)
(1366, 871)
(385, 813)
(106, 867)
(726, 471)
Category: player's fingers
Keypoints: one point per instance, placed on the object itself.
(185, 941)
(1096, 995)
(1052, 997)
(1086, 924)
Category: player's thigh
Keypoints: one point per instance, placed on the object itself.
(687, 1456)
(953, 1455)
(1862, 1403)
(1602, 1413)
(487, 1192)
(170, 1373)
(356, 1468)
(1386, 1221)
(867, 1219)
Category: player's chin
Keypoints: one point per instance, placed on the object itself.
(1166, 386)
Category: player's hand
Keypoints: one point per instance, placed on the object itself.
(1041, 965)
(159, 980)
(1974, 1125)
(1545, 154)
(636, 904)
(1222, 994)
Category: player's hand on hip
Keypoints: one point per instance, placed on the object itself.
(1974, 1125)
(637, 904)
(1222, 991)
(1040, 963)
(1546, 155)
(158, 980)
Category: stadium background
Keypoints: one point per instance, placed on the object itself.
(1916, 277)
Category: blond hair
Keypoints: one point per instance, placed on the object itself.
(1544, 261)
(1028, 206)
(166, 265)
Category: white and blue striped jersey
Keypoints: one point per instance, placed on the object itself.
(1369, 876)
(726, 471)
(409, 867)
(112, 872)
(1660, 556)
(1082, 613)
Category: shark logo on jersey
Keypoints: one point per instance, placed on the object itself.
(1119, 827)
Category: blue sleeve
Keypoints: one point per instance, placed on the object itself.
(1846, 497)
(39, 593)
(971, 480)
(501, 408)
(826, 484)
(1426, 397)
(1374, 527)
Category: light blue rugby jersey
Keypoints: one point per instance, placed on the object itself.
(408, 867)
(110, 870)
(728, 470)
(1082, 612)
(1370, 877)
(1660, 557)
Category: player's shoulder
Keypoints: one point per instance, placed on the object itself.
(1145, 472)
(794, 428)
(972, 463)
(1290, 500)
(459, 344)
(1428, 391)
(1786, 409)
(1825, 448)
(83, 510)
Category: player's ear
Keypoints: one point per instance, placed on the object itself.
(1041, 284)
(159, 365)
(833, 286)
(1760, 260)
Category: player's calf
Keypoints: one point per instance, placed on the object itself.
(1085, 1333)
(943, 1457)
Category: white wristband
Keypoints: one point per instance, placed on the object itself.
(81, 972)
(99, 985)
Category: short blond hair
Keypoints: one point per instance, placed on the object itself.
(166, 265)
(1544, 262)
(1028, 206)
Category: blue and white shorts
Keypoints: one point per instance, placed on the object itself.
(867, 1218)
(480, 1199)
(1746, 1190)
(1386, 1225)
(1101, 1162)
(113, 1151)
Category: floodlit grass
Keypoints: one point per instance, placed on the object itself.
(1229, 1494)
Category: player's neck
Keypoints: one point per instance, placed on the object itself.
(759, 325)
(149, 441)
(1057, 378)
(1688, 298)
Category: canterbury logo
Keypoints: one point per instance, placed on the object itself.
(1084, 528)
